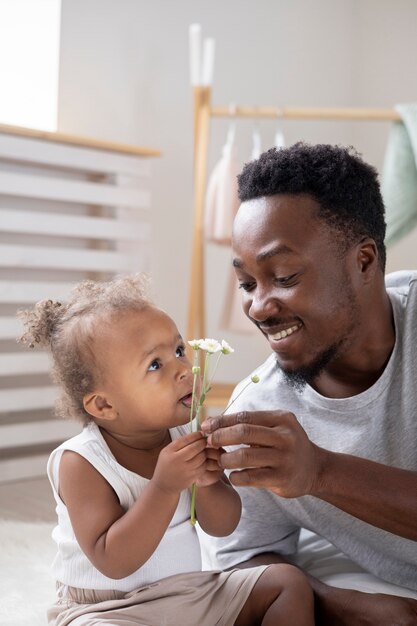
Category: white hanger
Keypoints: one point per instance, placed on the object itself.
(231, 132)
(279, 141)
(256, 144)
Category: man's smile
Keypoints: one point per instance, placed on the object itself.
(278, 332)
(282, 334)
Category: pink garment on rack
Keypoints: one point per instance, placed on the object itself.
(232, 317)
(222, 201)
(222, 204)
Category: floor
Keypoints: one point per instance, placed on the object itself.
(27, 500)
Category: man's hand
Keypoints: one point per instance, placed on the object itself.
(280, 456)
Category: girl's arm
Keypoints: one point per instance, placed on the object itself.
(116, 541)
(218, 504)
(218, 508)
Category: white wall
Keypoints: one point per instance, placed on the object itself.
(384, 49)
(124, 76)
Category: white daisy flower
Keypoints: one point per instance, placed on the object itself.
(210, 345)
(195, 343)
(226, 348)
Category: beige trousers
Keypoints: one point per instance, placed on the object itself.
(194, 599)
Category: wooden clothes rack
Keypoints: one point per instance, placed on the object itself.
(203, 114)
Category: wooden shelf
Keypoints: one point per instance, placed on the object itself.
(81, 142)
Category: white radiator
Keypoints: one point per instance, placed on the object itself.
(68, 211)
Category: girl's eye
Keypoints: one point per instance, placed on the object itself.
(180, 351)
(155, 365)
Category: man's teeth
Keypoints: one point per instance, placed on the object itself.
(284, 333)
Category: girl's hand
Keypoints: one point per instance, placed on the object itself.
(212, 471)
(181, 463)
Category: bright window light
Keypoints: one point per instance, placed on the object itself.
(29, 63)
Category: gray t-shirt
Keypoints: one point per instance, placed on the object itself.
(379, 424)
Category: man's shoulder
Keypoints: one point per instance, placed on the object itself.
(402, 291)
(401, 281)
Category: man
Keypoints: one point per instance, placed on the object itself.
(331, 429)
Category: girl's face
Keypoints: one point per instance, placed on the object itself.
(146, 378)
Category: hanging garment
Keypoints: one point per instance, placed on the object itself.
(256, 145)
(232, 317)
(399, 179)
(222, 201)
(279, 139)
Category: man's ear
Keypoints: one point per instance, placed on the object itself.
(367, 258)
(99, 406)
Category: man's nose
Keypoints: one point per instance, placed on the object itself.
(263, 305)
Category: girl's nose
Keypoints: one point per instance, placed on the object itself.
(183, 370)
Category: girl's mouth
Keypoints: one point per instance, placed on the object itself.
(186, 400)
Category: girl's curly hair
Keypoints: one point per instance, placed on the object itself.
(67, 330)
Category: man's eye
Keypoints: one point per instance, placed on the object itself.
(180, 351)
(155, 365)
(286, 281)
(246, 286)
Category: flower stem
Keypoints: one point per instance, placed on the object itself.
(193, 518)
(253, 379)
(210, 346)
(197, 409)
(214, 370)
(193, 402)
(197, 418)
(204, 387)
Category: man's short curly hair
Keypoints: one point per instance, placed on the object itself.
(345, 187)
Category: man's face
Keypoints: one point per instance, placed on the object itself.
(298, 288)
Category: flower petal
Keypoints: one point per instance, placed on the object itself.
(195, 343)
(226, 348)
(210, 345)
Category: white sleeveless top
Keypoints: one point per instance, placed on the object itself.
(179, 549)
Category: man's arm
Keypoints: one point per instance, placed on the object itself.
(346, 607)
(380, 495)
(280, 457)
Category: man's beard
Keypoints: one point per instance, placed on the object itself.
(305, 375)
(299, 378)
